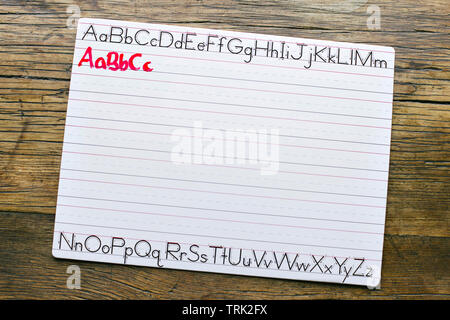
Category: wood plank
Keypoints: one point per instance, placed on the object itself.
(413, 267)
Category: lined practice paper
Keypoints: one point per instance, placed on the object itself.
(227, 152)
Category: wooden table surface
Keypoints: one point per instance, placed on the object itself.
(36, 49)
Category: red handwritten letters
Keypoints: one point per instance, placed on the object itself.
(114, 61)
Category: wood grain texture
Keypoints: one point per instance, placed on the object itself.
(36, 50)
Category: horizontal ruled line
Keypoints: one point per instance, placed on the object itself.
(216, 219)
(190, 127)
(231, 104)
(229, 87)
(228, 113)
(221, 193)
(218, 210)
(222, 166)
(278, 144)
(193, 154)
(221, 183)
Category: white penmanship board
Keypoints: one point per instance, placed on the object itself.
(310, 206)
